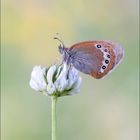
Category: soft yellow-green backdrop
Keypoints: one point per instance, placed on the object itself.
(105, 109)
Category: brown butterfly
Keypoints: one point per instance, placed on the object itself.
(96, 58)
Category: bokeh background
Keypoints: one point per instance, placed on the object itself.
(105, 109)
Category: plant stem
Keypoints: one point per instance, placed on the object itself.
(54, 99)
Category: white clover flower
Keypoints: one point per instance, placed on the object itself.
(56, 80)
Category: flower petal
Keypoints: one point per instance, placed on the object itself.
(51, 88)
(50, 74)
(62, 81)
(72, 77)
(37, 81)
(76, 87)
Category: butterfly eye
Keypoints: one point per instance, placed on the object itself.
(98, 46)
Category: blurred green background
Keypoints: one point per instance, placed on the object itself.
(105, 109)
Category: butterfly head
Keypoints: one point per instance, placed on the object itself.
(61, 49)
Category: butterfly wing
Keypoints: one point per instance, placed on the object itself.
(96, 58)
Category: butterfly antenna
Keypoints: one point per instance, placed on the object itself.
(59, 38)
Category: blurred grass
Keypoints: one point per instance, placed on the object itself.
(105, 109)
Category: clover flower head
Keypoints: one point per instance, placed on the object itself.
(56, 80)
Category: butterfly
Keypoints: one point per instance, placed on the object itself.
(96, 58)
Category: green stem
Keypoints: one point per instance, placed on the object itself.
(54, 99)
